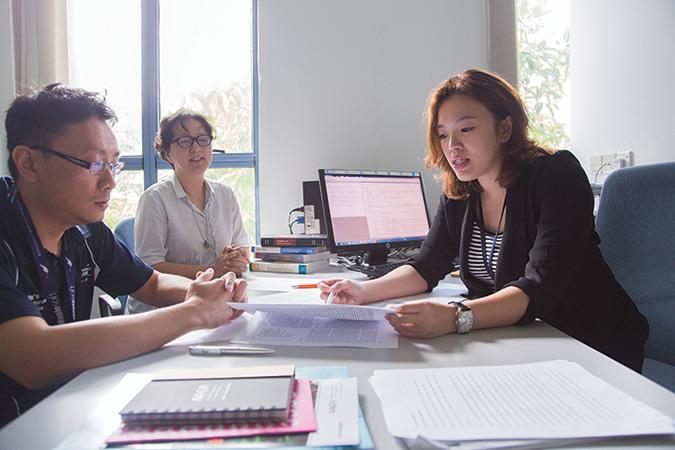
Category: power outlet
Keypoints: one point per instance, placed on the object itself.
(602, 165)
(624, 159)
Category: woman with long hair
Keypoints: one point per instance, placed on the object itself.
(520, 220)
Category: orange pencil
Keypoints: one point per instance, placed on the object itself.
(304, 286)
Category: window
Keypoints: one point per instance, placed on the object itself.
(543, 48)
(196, 54)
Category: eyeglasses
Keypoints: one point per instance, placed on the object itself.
(187, 141)
(95, 167)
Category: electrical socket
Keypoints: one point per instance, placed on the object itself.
(602, 165)
(624, 159)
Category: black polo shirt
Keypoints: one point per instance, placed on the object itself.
(99, 260)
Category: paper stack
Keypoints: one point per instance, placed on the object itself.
(515, 406)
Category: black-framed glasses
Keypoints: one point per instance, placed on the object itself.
(187, 141)
(95, 167)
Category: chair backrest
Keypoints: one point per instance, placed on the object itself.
(636, 222)
(124, 232)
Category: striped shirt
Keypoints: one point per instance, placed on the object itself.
(475, 262)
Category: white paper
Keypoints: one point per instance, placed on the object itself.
(105, 419)
(337, 413)
(423, 443)
(222, 333)
(547, 400)
(282, 329)
(308, 302)
(344, 312)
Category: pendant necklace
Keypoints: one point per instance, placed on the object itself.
(205, 242)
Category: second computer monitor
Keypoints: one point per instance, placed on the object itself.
(373, 211)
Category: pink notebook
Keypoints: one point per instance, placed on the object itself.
(300, 420)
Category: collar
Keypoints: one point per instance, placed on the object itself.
(180, 192)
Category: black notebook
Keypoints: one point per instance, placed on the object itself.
(229, 395)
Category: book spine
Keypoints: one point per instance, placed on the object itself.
(291, 250)
(262, 266)
(290, 257)
(293, 242)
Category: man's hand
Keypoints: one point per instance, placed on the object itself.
(208, 295)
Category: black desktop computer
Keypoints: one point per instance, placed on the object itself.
(368, 214)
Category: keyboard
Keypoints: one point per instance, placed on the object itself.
(376, 271)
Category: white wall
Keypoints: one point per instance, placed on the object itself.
(622, 66)
(6, 77)
(344, 83)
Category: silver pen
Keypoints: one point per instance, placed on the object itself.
(217, 350)
(330, 298)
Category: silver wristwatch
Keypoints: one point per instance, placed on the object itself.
(464, 318)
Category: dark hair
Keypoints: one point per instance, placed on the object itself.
(37, 118)
(502, 100)
(169, 124)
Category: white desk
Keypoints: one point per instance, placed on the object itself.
(52, 420)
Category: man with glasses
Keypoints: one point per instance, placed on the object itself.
(63, 159)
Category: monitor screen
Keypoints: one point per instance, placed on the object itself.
(373, 210)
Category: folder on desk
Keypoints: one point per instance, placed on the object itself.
(214, 396)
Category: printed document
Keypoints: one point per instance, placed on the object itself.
(344, 312)
(547, 400)
(337, 413)
(282, 329)
(224, 332)
(309, 304)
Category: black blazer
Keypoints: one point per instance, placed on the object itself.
(550, 251)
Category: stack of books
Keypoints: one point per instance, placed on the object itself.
(303, 254)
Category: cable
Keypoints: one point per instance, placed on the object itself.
(292, 222)
(597, 172)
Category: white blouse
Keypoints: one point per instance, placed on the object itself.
(169, 227)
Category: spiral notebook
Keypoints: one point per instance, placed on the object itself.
(222, 396)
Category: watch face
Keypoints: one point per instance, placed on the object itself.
(464, 322)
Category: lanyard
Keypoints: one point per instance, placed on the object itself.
(487, 261)
(49, 285)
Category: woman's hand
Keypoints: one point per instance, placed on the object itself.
(232, 259)
(347, 291)
(209, 296)
(422, 319)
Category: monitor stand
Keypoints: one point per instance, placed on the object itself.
(376, 256)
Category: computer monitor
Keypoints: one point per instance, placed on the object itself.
(373, 211)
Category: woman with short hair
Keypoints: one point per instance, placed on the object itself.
(187, 224)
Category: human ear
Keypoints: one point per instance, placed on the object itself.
(505, 129)
(167, 157)
(25, 162)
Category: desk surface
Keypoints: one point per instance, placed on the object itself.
(52, 420)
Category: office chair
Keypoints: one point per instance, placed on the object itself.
(636, 221)
(109, 306)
